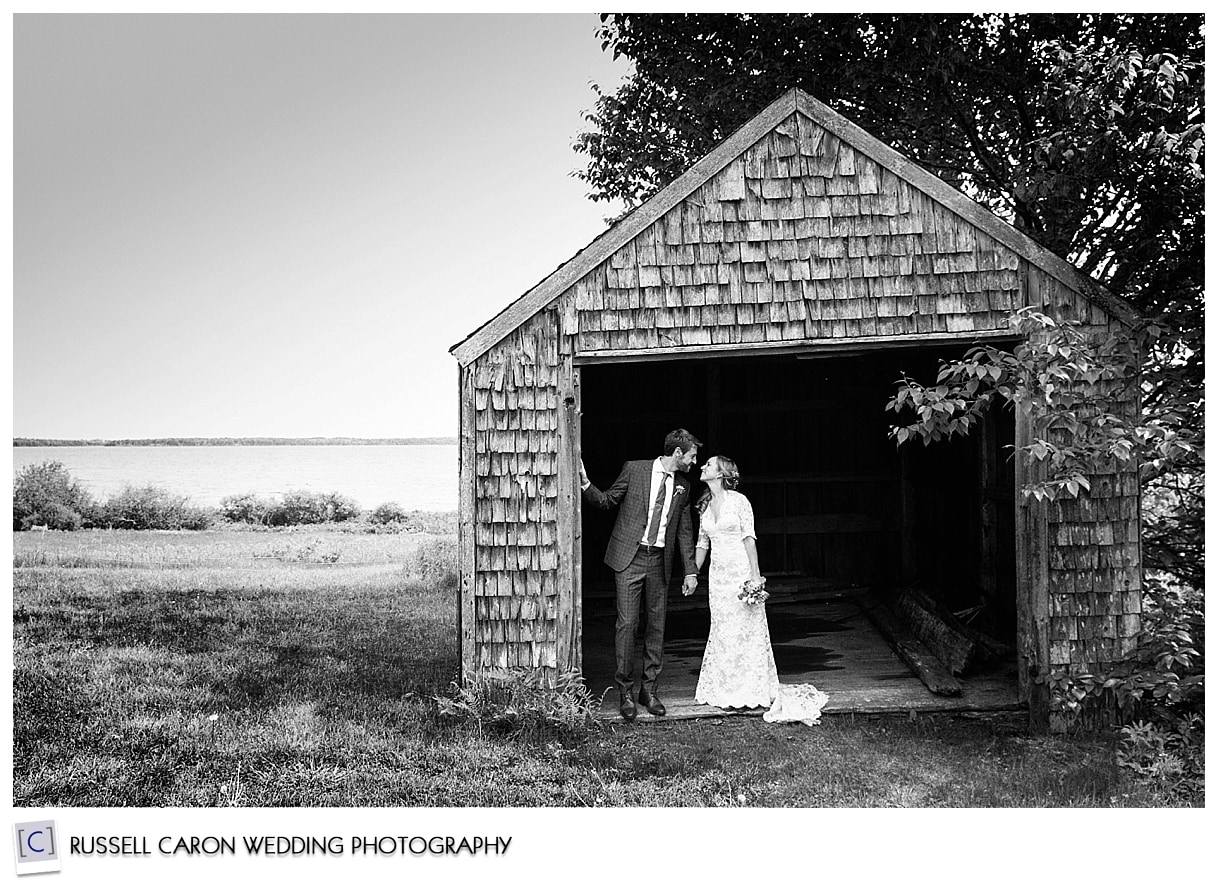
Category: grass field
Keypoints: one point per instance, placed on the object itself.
(277, 667)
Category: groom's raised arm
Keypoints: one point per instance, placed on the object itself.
(609, 498)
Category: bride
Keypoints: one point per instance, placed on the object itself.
(738, 668)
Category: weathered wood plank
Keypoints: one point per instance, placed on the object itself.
(566, 510)
(985, 696)
(465, 522)
(986, 645)
(951, 647)
(930, 670)
(1031, 570)
(577, 540)
(819, 348)
(857, 669)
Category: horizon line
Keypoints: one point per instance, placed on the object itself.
(186, 440)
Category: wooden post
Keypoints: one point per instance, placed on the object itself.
(1031, 580)
(577, 537)
(568, 478)
(465, 525)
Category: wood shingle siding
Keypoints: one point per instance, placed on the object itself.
(508, 509)
(772, 264)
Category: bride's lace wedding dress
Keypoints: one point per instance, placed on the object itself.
(738, 668)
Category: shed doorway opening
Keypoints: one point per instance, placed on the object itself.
(844, 519)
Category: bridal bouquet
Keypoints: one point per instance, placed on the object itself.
(753, 592)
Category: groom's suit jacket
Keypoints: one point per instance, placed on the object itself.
(631, 492)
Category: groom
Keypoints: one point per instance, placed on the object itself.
(652, 496)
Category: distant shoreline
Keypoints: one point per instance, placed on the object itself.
(226, 442)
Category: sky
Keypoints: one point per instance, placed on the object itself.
(277, 225)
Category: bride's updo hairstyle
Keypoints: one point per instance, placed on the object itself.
(728, 473)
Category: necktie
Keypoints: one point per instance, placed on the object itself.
(653, 531)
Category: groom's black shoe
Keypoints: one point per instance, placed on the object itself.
(652, 703)
(627, 707)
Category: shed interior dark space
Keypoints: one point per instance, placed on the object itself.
(839, 510)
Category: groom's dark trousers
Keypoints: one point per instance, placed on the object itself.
(642, 573)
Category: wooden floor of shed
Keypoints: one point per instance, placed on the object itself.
(829, 642)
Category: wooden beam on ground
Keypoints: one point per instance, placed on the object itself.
(955, 650)
(922, 661)
(986, 644)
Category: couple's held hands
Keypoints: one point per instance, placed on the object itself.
(690, 586)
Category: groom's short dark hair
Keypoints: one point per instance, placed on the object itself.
(680, 438)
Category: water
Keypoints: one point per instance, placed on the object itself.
(416, 476)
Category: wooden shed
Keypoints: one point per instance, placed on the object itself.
(767, 300)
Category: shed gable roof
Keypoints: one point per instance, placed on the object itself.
(794, 101)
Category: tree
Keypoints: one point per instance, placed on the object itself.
(1085, 131)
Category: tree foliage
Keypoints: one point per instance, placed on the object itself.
(1075, 388)
(1086, 131)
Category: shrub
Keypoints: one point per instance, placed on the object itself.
(300, 507)
(392, 518)
(1162, 680)
(388, 513)
(1170, 756)
(521, 702)
(343, 508)
(245, 508)
(57, 516)
(297, 507)
(46, 495)
(196, 517)
(152, 508)
(434, 561)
